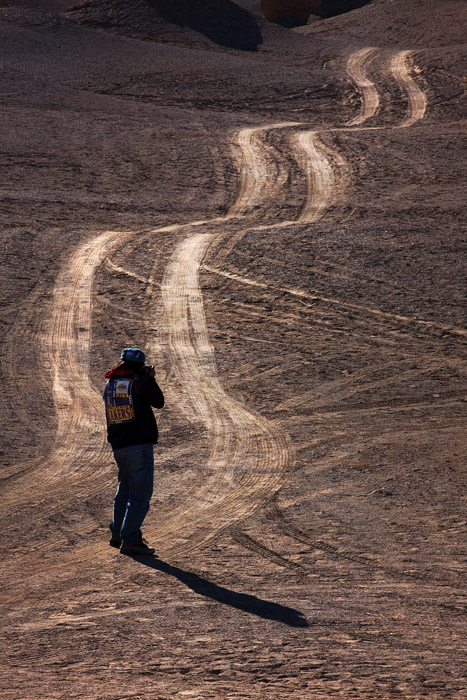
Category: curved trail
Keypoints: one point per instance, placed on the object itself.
(254, 174)
(241, 442)
(370, 97)
(247, 455)
(322, 176)
(78, 406)
(417, 99)
(79, 447)
(400, 70)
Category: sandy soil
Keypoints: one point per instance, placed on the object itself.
(283, 230)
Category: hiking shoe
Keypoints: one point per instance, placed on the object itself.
(115, 541)
(138, 548)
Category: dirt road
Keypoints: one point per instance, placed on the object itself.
(307, 543)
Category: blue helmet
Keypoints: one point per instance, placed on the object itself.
(133, 355)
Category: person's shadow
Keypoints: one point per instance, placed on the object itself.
(242, 601)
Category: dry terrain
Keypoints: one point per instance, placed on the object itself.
(277, 216)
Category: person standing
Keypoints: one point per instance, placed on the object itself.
(130, 394)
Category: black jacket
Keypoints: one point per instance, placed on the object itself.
(128, 397)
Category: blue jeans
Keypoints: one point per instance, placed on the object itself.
(135, 484)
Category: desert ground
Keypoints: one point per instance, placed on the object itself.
(276, 215)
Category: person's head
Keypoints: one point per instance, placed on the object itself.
(132, 358)
(133, 355)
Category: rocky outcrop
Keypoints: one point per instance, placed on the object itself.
(289, 11)
(184, 21)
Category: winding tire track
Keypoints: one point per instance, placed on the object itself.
(248, 455)
(79, 448)
(254, 172)
(417, 98)
(326, 173)
(320, 178)
(370, 96)
(240, 441)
